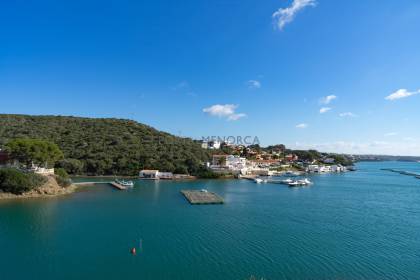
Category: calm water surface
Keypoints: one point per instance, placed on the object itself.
(359, 225)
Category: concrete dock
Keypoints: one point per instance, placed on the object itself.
(114, 184)
(202, 197)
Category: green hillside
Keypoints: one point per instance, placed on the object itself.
(107, 146)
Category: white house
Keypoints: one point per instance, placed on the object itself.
(338, 168)
(212, 145)
(41, 170)
(165, 175)
(149, 174)
(313, 168)
(325, 168)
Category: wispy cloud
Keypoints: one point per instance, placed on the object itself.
(227, 111)
(184, 88)
(286, 15)
(235, 117)
(327, 99)
(324, 110)
(302, 125)
(401, 93)
(253, 84)
(389, 134)
(347, 115)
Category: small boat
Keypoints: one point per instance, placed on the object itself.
(204, 191)
(294, 184)
(305, 181)
(302, 182)
(125, 183)
(259, 180)
(287, 181)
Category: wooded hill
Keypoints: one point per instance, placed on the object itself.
(107, 146)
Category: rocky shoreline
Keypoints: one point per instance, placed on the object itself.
(49, 189)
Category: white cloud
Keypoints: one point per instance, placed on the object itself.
(324, 110)
(235, 117)
(302, 125)
(327, 99)
(347, 115)
(401, 93)
(284, 16)
(224, 111)
(390, 134)
(253, 84)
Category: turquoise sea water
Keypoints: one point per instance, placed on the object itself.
(358, 225)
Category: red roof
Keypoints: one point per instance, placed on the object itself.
(4, 157)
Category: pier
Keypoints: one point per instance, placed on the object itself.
(113, 184)
(202, 197)
(407, 173)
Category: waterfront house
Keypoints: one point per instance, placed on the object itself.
(325, 168)
(313, 168)
(149, 174)
(165, 175)
(338, 168)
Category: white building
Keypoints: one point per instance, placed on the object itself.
(212, 145)
(155, 175)
(149, 174)
(325, 168)
(338, 168)
(313, 168)
(41, 170)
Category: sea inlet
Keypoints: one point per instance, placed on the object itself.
(356, 225)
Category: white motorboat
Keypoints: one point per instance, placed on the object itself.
(129, 184)
(302, 182)
(287, 181)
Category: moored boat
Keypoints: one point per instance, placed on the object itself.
(128, 184)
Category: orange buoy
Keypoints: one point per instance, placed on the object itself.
(133, 251)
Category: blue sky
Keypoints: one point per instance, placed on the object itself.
(223, 68)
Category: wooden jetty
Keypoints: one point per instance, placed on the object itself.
(114, 184)
(202, 197)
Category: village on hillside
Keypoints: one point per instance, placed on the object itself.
(273, 160)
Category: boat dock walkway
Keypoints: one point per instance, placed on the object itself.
(202, 197)
(407, 173)
(114, 184)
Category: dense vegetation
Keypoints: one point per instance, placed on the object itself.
(17, 182)
(39, 152)
(107, 146)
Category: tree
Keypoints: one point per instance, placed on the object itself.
(71, 165)
(28, 151)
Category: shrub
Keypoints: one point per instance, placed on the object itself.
(60, 172)
(18, 182)
(62, 177)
